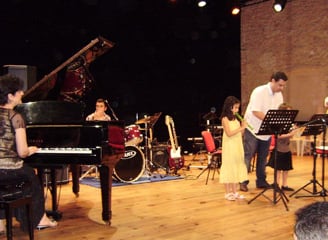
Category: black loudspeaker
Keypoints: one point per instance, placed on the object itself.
(160, 156)
(26, 73)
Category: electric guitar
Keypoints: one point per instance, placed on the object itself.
(176, 161)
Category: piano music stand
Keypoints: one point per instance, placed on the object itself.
(315, 127)
(274, 123)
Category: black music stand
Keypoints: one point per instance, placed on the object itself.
(274, 123)
(315, 126)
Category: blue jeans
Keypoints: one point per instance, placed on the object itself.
(252, 146)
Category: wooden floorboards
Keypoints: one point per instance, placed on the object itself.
(182, 209)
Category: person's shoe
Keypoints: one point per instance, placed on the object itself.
(264, 185)
(51, 224)
(238, 196)
(243, 187)
(286, 188)
(230, 197)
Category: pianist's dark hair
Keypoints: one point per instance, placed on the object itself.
(9, 84)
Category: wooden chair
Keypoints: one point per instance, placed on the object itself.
(12, 196)
(213, 155)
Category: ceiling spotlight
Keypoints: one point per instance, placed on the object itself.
(279, 5)
(201, 3)
(235, 10)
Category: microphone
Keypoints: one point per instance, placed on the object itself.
(241, 119)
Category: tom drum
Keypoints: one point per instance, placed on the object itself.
(131, 167)
(132, 135)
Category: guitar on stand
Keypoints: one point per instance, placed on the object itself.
(176, 161)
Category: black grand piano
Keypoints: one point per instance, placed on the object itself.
(58, 127)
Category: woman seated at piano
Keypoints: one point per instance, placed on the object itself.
(100, 112)
(13, 149)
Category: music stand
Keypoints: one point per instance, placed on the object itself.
(315, 126)
(274, 123)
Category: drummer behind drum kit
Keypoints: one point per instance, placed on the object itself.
(140, 156)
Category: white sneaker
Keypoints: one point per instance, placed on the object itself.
(230, 197)
(238, 196)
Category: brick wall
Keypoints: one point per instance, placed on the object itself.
(294, 41)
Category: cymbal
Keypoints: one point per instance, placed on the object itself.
(143, 120)
(150, 119)
(210, 116)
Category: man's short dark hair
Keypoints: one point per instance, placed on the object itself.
(312, 222)
(279, 75)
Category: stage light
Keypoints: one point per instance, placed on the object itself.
(236, 6)
(279, 5)
(201, 3)
(235, 10)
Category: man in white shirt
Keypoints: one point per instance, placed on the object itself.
(262, 99)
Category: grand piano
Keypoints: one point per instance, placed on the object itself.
(58, 127)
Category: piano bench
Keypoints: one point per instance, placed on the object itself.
(12, 196)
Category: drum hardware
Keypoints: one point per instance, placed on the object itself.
(149, 122)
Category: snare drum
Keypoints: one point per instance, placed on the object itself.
(131, 167)
(132, 135)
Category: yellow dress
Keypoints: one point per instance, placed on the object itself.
(233, 168)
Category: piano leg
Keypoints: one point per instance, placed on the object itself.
(75, 169)
(57, 215)
(106, 189)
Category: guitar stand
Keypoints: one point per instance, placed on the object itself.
(276, 122)
(212, 165)
(314, 129)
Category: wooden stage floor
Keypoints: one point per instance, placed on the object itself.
(184, 209)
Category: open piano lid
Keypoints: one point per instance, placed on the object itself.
(72, 89)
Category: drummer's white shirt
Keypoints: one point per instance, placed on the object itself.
(262, 99)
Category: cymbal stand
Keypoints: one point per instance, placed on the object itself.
(150, 166)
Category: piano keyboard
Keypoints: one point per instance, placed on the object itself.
(64, 150)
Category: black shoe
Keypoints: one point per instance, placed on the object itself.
(264, 185)
(243, 187)
(286, 188)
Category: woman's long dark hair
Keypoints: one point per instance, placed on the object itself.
(227, 107)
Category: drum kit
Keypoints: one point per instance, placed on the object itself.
(138, 157)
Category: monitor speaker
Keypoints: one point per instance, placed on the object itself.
(25, 72)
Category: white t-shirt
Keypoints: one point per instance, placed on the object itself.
(262, 99)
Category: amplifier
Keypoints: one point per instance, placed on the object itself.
(160, 155)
